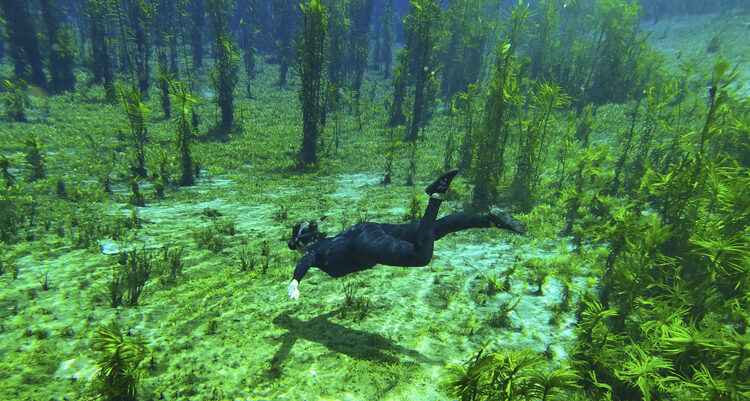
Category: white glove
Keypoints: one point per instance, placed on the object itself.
(292, 290)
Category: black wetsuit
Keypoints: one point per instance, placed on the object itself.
(364, 245)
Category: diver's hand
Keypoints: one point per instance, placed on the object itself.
(292, 290)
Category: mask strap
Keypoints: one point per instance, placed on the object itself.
(302, 227)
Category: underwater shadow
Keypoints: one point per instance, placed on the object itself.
(354, 343)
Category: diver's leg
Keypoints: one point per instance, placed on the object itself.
(496, 218)
(459, 222)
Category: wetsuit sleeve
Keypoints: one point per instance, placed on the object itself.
(304, 265)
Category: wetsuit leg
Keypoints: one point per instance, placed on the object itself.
(459, 222)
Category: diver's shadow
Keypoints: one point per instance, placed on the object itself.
(354, 343)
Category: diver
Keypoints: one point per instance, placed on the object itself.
(366, 244)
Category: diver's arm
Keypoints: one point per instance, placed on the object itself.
(303, 266)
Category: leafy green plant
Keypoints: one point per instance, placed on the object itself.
(136, 112)
(15, 100)
(501, 317)
(310, 68)
(494, 284)
(118, 360)
(34, 158)
(510, 375)
(359, 305)
(135, 273)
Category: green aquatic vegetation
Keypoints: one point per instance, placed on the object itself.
(547, 384)
(503, 97)
(15, 99)
(43, 279)
(384, 41)
(164, 81)
(171, 263)
(506, 375)
(400, 80)
(119, 359)
(136, 197)
(224, 78)
(137, 112)
(423, 27)
(184, 133)
(539, 271)
(34, 159)
(358, 305)
(413, 212)
(501, 317)
(463, 48)
(247, 262)
(533, 141)
(113, 289)
(134, 271)
(97, 13)
(647, 372)
(467, 107)
(310, 68)
(392, 146)
(208, 237)
(494, 283)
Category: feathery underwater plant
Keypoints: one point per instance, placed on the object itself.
(185, 132)
(15, 99)
(506, 375)
(310, 67)
(34, 158)
(118, 362)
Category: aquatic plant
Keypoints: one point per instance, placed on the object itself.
(163, 81)
(285, 22)
(491, 138)
(247, 262)
(15, 99)
(311, 49)
(224, 78)
(501, 317)
(463, 54)
(208, 237)
(510, 375)
(400, 77)
(466, 107)
(358, 305)
(185, 132)
(196, 11)
(382, 54)
(119, 362)
(97, 12)
(533, 141)
(422, 25)
(247, 37)
(24, 43)
(493, 282)
(136, 112)
(61, 48)
(34, 159)
(359, 14)
(135, 273)
(43, 279)
(113, 289)
(171, 263)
